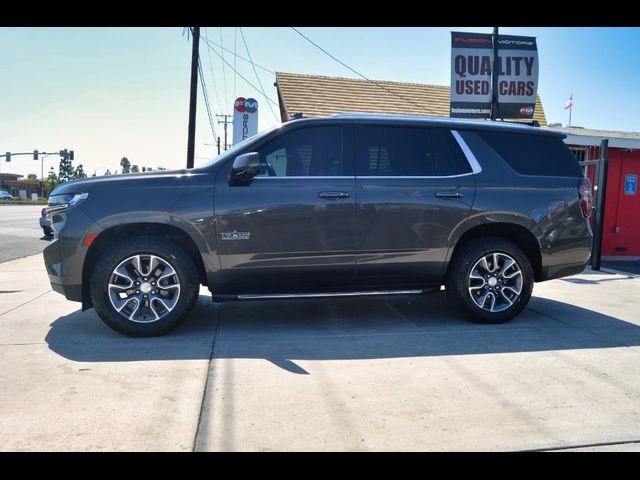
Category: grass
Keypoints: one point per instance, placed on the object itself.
(40, 201)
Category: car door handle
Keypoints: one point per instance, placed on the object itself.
(449, 195)
(334, 195)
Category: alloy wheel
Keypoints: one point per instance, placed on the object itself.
(144, 288)
(495, 282)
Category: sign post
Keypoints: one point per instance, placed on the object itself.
(601, 195)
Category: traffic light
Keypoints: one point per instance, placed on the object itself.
(35, 154)
(70, 154)
(8, 156)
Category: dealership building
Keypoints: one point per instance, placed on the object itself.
(321, 96)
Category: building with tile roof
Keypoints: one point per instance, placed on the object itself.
(320, 96)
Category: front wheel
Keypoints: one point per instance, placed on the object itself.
(144, 286)
(491, 279)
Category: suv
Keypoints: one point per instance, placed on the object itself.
(346, 205)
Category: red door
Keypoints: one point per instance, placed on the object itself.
(622, 215)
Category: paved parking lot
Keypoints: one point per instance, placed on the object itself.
(393, 373)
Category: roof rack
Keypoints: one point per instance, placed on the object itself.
(532, 123)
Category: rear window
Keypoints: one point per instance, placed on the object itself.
(533, 154)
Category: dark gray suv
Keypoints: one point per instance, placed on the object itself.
(345, 205)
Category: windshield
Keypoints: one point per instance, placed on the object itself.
(239, 146)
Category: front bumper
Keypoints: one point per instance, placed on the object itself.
(64, 256)
(69, 286)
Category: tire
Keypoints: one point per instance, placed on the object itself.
(47, 231)
(151, 317)
(500, 289)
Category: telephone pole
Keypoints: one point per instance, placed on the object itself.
(226, 121)
(193, 96)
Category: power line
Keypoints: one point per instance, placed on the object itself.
(213, 78)
(354, 71)
(206, 100)
(235, 47)
(244, 40)
(239, 74)
(224, 74)
(261, 67)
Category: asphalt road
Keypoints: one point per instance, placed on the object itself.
(20, 232)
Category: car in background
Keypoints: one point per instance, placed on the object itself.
(45, 223)
(5, 195)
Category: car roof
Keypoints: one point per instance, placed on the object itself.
(453, 123)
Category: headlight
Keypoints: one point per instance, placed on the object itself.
(58, 203)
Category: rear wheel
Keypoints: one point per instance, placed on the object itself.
(144, 286)
(491, 279)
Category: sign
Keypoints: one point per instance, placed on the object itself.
(630, 184)
(245, 119)
(471, 61)
(472, 74)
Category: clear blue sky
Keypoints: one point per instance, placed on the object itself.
(113, 92)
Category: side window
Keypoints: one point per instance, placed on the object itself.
(307, 152)
(533, 154)
(395, 151)
(448, 158)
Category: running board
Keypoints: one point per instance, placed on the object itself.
(275, 296)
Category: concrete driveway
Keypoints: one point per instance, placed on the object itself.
(392, 373)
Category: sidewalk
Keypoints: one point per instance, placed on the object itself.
(385, 373)
(141, 395)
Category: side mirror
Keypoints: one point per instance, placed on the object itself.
(245, 167)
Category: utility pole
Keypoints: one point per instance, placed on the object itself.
(193, 96)
(226, 121)
(494, 76)
(218, 145)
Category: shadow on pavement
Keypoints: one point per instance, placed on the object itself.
(283, 331)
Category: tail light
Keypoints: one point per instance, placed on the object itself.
(585, 191)
(43, 212)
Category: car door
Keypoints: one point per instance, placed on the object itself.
(414, 185)
(293, 227)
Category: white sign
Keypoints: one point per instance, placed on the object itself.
(472, 75)
(245, 119)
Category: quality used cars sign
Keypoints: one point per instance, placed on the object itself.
(472, 70)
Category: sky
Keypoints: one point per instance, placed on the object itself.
(107, 93)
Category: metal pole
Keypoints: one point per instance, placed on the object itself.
(494, 82)
(226, 144)
(193, 97)
(601, 195)
(570, 110)
(218, 145)
(225, 122)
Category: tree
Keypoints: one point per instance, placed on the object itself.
(32, 178)
(125, 164)
(51, 182)
(79, 172)
(135, 169)
(65, 171)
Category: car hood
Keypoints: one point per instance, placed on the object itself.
(87, 184)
